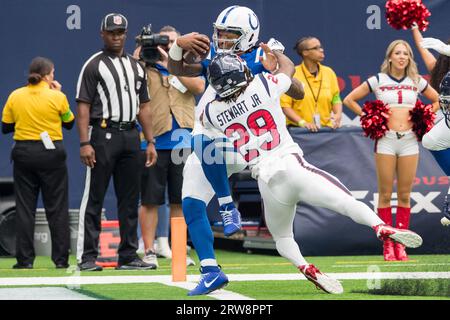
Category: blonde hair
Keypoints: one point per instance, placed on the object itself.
(411, 70)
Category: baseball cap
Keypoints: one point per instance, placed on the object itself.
(114, 21)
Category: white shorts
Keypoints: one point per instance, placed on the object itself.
(398, 144)
(195, 183)
(438, 138)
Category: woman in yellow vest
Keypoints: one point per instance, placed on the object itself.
(36, 113)
(321, 105)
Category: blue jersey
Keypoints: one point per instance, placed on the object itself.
(251, 58)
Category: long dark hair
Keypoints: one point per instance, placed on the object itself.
(39, 68)
(440, 70)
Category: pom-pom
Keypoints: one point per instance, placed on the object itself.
(375, 118)
(422, 117)
(401, 14)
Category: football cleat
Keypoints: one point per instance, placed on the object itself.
(445, 221)
(209, 282)
(231, 218)
(406, 237)
(321, 280)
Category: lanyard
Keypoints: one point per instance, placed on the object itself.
(316, 98)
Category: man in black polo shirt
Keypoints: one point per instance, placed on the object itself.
(111, 89)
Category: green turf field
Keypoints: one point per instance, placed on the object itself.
(235, 263)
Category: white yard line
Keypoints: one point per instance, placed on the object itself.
(392, 265)
(219, 294)
(74, 281)
(51, 293)
(167, 279)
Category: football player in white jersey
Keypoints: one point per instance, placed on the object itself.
(247, 110)
(236, 30)
(438, 138)
(437, 67)
(397, 153)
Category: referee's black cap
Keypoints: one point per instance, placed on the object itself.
(114, 21)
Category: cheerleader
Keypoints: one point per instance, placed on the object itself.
(397, 152)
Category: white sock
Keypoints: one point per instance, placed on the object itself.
(209, 263)
(288, 248)
(224, 200)
(163, 242)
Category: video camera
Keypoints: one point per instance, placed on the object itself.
(149, 43)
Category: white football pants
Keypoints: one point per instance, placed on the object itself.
(301, 181)
(438, 138)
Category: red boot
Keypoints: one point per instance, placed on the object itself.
(385, 214)
(400, 252)
(402, 222)
(388, 250)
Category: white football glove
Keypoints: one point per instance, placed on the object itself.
(436, 44)
(445, 222)
(275, 45)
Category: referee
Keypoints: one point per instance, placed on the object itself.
(111, 91)
(35, 114)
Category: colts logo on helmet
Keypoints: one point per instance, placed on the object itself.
(250, 21)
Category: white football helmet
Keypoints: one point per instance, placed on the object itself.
(241, 21)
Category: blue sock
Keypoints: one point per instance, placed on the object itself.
(443, 159)
(199, 228)
(213, 164)
(210, 269)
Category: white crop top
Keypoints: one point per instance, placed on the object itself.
(396, 93)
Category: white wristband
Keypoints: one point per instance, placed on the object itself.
(176, 52)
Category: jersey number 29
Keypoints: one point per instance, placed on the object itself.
(259, 122)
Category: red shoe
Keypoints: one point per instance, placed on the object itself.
(406, 237)
(400, 252)
(388, 250)
(321, 280)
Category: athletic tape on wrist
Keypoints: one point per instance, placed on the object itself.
(176, 52)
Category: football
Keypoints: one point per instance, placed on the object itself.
(191, 58)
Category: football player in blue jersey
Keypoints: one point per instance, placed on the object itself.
(206, 171)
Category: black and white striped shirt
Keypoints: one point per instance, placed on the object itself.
(113, 86)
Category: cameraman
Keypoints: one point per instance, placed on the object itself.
(172, 106)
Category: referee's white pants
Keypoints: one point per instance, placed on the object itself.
(301, 181)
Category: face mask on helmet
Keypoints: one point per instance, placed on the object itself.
(444, 102)
(227, 40)
(227, 74)
(235, 30)
(444, 97)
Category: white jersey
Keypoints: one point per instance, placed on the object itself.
(255, 122)
(399, 93)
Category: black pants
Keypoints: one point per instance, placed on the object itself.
(164, 173)
(116, 153)
(36, 168)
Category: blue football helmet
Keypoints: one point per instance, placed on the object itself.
(444, 97)
(228, 73)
